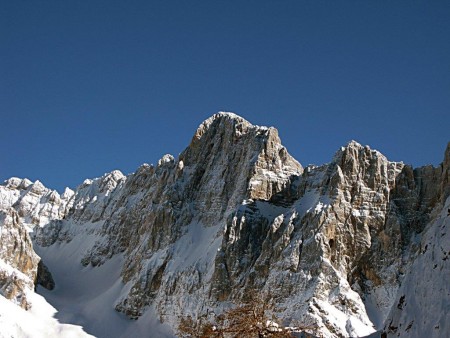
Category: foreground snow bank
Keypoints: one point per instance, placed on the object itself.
(36, 322)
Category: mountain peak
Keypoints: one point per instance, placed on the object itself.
(354, 144)
(226, 116)
(228, 121)
(18, 183)
(354, 149)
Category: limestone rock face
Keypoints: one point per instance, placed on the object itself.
(248, 157)
(23, 206)
(160, 208)
(314, 249)
(92, 199)
(333, 247)
(18, 261)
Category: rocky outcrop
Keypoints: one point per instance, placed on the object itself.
(18, 261)
(333, 248)
(35, 204)
(44, 277)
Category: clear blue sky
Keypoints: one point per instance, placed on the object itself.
(91, 86)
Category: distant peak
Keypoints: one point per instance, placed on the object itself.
(355, 149)
(115, 175)
(13, 182)
(68, 193)
(23, 184)
(167, 158)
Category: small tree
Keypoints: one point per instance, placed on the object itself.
(249, 320)
(189, 328)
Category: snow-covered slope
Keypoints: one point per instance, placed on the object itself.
(422, 301)
(333, 247)
(37, 322)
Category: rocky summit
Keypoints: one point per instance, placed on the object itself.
(353, 248)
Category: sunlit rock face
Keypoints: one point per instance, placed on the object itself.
(18, 261)
(35, 204)
(333, 247)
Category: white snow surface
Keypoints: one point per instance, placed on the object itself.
(422, 307)
(37, 322)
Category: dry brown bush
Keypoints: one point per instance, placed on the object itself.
(248, 320)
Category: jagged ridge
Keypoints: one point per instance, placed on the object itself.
(235, 212)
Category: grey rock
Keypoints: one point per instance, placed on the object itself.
(18, 261)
